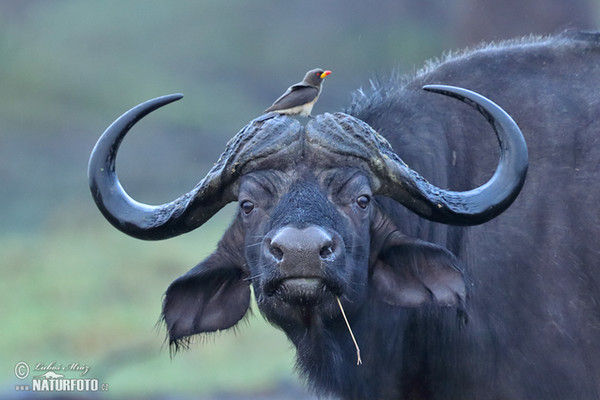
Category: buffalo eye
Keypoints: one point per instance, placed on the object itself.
(363, 201)
(247, 206)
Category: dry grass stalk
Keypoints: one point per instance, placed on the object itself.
(358, 359)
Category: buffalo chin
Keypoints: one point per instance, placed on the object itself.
(303, 291)
(296, 301)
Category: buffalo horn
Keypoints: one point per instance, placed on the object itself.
(253, 145)
(345, 139)
(470, 207)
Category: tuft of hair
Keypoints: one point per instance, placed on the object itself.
(186, 342)
(380, 96)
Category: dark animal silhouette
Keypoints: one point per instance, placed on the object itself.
(451, 294)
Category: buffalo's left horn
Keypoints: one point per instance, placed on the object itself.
(341, 136)
(192, 209)
(471, 207)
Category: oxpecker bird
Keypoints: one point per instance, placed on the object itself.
(300, 98)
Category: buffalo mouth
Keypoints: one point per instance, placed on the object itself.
(302, 290)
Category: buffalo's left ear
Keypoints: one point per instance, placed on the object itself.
(212, 296)
(411, 273)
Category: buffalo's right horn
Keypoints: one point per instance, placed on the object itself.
(252, 145)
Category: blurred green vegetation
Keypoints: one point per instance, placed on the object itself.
(91, 297)
(74, 289)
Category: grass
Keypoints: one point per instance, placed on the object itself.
(93, 296)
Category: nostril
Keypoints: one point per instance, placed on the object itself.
(276, 252)
(326, 252)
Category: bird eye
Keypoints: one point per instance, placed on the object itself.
(247, 206)
(363, 201)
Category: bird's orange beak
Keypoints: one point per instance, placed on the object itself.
(324, 74)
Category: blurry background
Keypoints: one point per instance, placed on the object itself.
(75, 290)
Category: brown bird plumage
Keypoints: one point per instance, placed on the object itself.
(300, 98)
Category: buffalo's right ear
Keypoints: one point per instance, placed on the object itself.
(212, 296)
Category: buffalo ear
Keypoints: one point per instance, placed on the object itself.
(412, 273)
(212, 296)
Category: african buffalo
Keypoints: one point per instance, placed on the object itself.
(451, 294)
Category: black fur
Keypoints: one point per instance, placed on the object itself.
(527, 282)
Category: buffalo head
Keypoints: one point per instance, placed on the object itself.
(310, 228)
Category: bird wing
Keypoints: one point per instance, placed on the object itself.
(302, 94)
